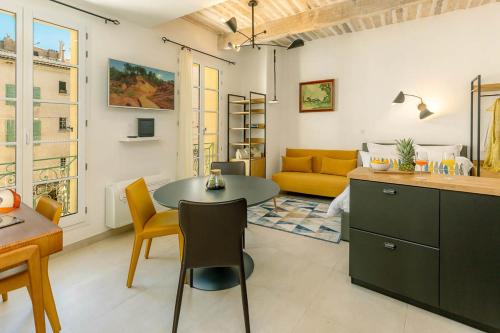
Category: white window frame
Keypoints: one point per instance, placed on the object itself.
(24, 103)
(201, 123)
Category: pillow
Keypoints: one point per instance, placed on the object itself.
(297, 164)
(332, 166)
(365, 159)
(386, 153)
(435, 153)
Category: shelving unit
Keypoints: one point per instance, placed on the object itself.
(247, 129)
(477, 90)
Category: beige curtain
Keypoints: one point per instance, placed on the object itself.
(185, 127)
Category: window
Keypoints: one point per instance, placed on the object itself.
(41, 105)
(9, 69)
(10, 92)
(62, 87)
(37, 130)
(205, 117)
(62, 123)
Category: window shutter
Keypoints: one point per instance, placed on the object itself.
(37, 130)
(37, 94)
(10, 92)
(10, 126)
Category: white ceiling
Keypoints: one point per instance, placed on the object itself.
(149, 13)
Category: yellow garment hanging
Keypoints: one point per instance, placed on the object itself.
(492, 159)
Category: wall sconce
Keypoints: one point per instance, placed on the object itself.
(424, 112)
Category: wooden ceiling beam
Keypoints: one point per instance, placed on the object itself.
(345, 12)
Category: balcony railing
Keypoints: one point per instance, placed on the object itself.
(208, 154)
(48, 180)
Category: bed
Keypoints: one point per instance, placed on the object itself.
(340, 205)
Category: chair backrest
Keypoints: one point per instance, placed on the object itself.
(49, 208)
(230, 168)
(212, 232)
(27, 254)
(140, 203)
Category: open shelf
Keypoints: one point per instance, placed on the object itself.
(246, 113)
(247, 101)
(140, 139)
(489, 87)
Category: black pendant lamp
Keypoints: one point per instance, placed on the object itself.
(274, 100)
(252, 40)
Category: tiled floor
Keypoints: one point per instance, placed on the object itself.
(299, 285)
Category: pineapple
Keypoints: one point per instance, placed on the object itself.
(406, 152)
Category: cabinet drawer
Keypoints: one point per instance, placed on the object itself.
(404, 212)
(397, 266)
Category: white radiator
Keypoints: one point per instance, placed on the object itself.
(117, 211)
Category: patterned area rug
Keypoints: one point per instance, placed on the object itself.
(298, 216)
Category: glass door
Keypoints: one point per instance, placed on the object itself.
(55, 170)
(206, 107)
(41, 101)
(10, 106)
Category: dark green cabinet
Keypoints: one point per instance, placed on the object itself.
(397, 266)
(434, 248)
(405, 212)
(470, 256)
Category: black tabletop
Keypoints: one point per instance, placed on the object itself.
(254, 189)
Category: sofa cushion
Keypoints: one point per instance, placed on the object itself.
(318, 154)
(333, 166)
(311, 183)
(297, 164)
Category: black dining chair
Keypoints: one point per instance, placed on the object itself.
(233, 168)
(213, 236)
(230, 168)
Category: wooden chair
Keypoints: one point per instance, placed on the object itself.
(49, 208)
(52, 210)
(148, 224)
(213, 234)
(21, 268)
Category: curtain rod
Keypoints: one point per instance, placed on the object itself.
(106, 19)
(165, 39)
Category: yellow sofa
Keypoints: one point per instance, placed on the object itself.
(314, 183)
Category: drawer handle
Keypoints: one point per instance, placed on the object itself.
(389, 191)
(390, 246)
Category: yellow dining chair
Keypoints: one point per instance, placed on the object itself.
(49, 208)
(21, 268)
(52, 210)
(148, 224)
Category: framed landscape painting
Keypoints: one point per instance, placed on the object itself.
(317, 96)
(136, 86)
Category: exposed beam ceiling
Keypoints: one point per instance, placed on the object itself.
(286, 20)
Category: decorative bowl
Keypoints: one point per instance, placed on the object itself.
(380, 166)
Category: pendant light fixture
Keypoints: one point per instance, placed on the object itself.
(422, 107)
(274, 100)
(252, 40)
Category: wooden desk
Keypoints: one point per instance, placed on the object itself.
(36, 230)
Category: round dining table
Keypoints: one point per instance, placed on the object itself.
(255, 190)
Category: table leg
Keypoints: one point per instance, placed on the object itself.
(48, 298)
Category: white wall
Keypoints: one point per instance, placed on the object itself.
(435, 58)
(108, 159)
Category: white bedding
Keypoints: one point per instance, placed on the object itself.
(341, 203)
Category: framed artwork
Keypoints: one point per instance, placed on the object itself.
(317, 96)
(140, 87)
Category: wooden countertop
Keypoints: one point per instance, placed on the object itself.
(479, 185)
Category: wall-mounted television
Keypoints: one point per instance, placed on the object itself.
(140, 87)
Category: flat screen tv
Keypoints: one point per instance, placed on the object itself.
(141, 87)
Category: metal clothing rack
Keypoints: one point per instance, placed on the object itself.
(106, 19)
(476, 86)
